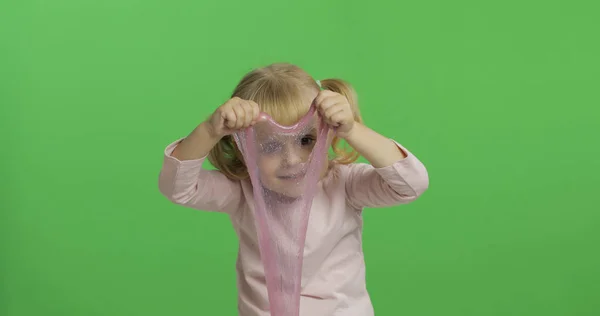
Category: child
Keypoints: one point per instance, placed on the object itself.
(333, 274)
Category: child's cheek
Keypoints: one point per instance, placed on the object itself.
(267, 167)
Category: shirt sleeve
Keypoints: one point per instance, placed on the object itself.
(400, 183)
(186, 183)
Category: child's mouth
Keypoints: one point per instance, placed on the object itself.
(294, 176)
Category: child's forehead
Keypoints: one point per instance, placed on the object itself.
(263, 131)
(267, 127)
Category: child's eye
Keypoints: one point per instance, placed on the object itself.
(307, 141)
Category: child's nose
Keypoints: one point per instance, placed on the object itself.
(291, 156)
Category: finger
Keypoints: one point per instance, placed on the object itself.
(229, 118)
(248, 115)
(326, 104)
(322, 96)
(239, 116)
(327, 115)
(332, 123)
(335, 108)
(331, 100)
(340, 118)
(255, 111)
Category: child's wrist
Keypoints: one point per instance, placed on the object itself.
(207, 129)
(349, 133)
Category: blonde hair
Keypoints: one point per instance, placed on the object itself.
(280, 91)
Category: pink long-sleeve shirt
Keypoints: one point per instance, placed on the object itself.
(333, 274)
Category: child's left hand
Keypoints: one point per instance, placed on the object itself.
(336, 111)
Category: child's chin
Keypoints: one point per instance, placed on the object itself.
(293, 190)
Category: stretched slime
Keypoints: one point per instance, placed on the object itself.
(284, 164)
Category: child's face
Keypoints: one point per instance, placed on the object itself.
(283, 159)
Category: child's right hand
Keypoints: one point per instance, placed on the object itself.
(233, 115)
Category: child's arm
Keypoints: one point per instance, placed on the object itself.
(380, 151)
(186, 183)
(395, 177)
(182, 178)
(197, 145)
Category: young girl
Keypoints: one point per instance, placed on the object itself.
(333, 274)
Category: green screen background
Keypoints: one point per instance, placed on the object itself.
(499, 100)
